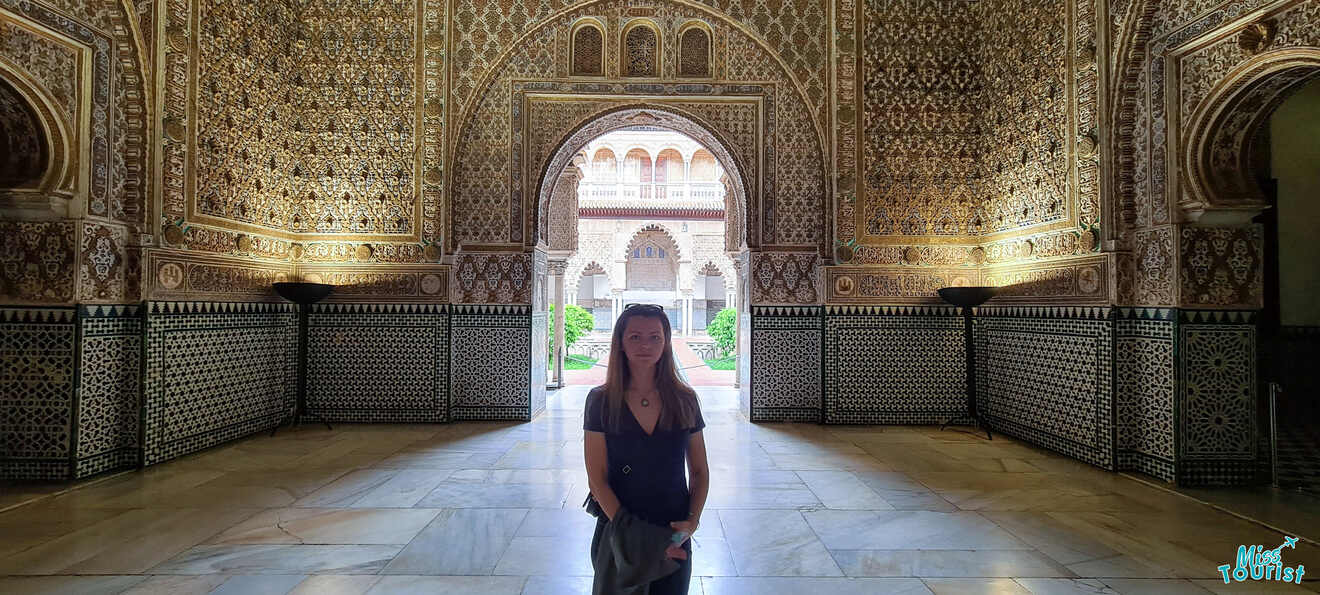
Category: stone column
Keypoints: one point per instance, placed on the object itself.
(740, 305)
(557, 268)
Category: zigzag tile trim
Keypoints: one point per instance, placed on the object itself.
(1145, 313)
(341, 308)
(37, 315)
(786, 310)
(892, 311)
(109, 311)
(1072, 312)
(168, 308)
(497, 309)
(1220, 316)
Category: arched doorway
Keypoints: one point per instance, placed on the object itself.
(655, 180)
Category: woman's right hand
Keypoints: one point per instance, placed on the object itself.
(675, 552)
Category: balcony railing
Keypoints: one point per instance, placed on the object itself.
(683, 192)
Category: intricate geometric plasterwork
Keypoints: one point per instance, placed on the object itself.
(332, 128)
(785, 278)
(923, 92)
(1080, 281)
(694, 52)
(1222, 266)
(104, 264)
(641, 51)
(111, 191)
(479, 186)
(215, 372)
(396, 284)
(37, 361)
(173, 274)
(38, 261)
(886, 285)
(485, 278)
(560, 222)
(1153, 260)
(50, 63)
(588, 51)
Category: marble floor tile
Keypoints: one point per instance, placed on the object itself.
(449, 585)
(256, 584)
(336, 584)
(280, 559)
(798, 586)
(403, 490)
(572, 585)
(347, 489)
(1137, 586)
(911, 530)
(450, 494)
(460, 541)
(329, 526)
(1066, 586)
(528, 556)
(178, 585)
(67, 585)
(841, 490)
(775, 543)
(1218, 587)
(948, 563)
(495, 507)
(129, 543)
(975, 586)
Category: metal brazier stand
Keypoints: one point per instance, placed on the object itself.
(303, 294)
(968, 298)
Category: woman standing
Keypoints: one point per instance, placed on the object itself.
(641, 426)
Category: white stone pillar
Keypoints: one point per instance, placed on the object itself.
(557, 268)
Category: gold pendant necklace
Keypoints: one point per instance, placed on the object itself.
(646, 403)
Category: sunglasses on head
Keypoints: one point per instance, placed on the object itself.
(644, 307)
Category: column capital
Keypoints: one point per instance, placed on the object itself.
(557, 266)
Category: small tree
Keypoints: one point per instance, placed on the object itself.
(577, 321)
(724, 330)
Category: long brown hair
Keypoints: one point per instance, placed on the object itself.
(678, 400)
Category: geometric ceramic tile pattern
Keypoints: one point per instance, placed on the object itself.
(36, 392)
(488, 362)
(894, 365)
(1144, 391)
(109, 382)
(215, 372)
(378, 363)
(1044, 375)
(1217, 402)
(785, 362)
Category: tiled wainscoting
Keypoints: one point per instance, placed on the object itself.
(489, 362)
(1169, 393)
(785, 350)
(215, 372)
(378, 363)
(38, 352)
(894, 364)
(1044, 374)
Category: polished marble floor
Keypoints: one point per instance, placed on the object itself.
(493, 508)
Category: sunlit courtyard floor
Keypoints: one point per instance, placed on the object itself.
(494, 508)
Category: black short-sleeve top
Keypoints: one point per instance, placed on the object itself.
(647, 472)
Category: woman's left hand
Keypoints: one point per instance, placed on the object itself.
(688, 527)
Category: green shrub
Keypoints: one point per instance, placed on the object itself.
(577, 321)
(724, 330)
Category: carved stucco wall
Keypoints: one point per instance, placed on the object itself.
(308, 130)
(86, 59)
(792, 212)
(1189, 55)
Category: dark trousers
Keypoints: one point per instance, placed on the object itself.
(673, 584)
